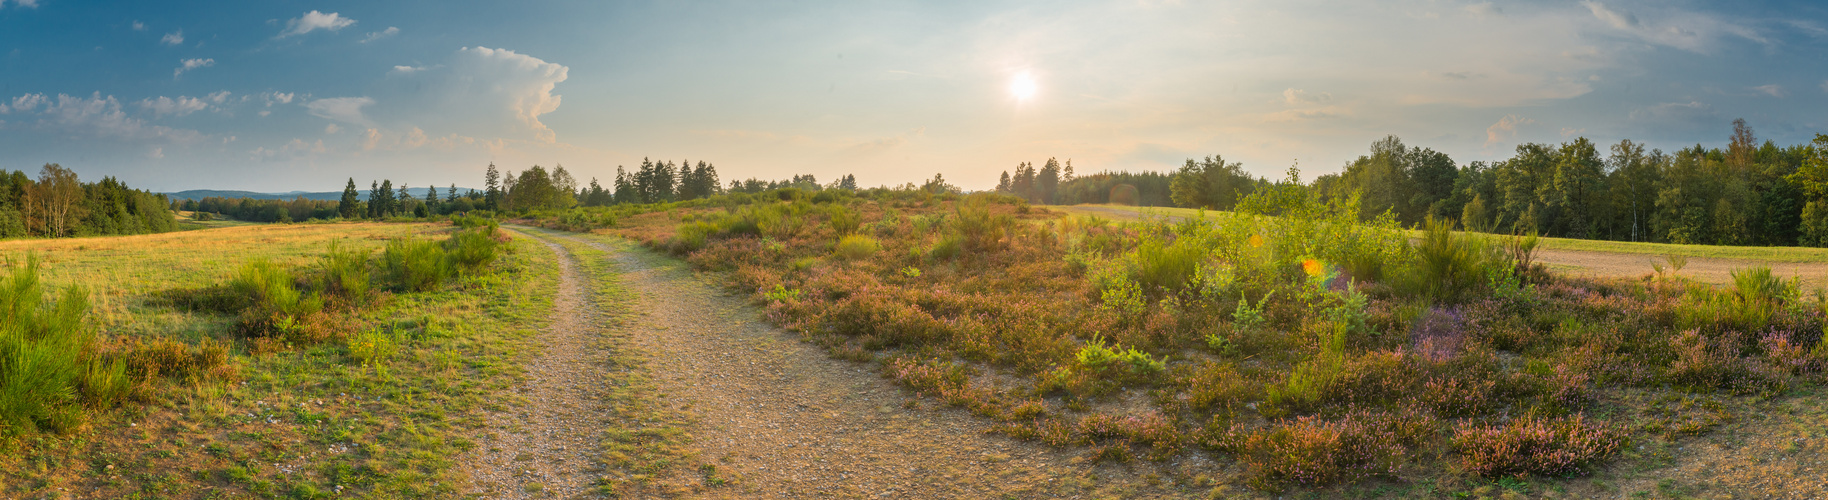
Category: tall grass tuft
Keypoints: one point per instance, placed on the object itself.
(856, 247)
(415, 265)
(346, 272)
(844, 221)
(472, 249)
(270, 288)
(1757, 285)
(982, 230)
(45, 366)
(1448, 266)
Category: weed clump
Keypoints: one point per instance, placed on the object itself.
(415, 265)
(856, 247)
(47, 365)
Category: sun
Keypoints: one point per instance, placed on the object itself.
(1022, 87)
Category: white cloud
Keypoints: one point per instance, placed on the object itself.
(22, 3)
(177, 107)
(272, 98)
(1772, 90)
(1298, 96)
(479, 92)
(1620, 20)
(156, 153)
(139, 26)
(390, 31)
(1506, 128)
(173, 38)
(96, 115)
(313, 21)
(190, 64)
(1567, 132)
(343, 109)
(1692, 111)
(1824, 85)
(220, 96)
(331, 128)
(1687, 30)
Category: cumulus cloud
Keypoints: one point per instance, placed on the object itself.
(139, 26)
(177, 107)
(390, 31)
(190, 64)
(95, 115)
(343, 109)
(272, 98)
(331, 128)
(1298, 96)
(220, 97)
(479, 91)
(22, 3)
(1771, 90)
(313, 21)
(173, 38)
(1506, 128)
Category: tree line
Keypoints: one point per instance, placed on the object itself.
(58, 204)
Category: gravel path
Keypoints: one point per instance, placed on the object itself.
(777, 418)
(541, 447)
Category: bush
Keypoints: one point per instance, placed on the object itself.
(844, 221)
(45, 365)
(1535, 445)
(1448, 266)
(856, 246)
(346, 272)
(273, 290)
(1166, 268)
(1314, 452)
(472, 249)
(1757, 286)
(981, 230)
(415, 265)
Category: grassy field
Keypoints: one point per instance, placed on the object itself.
(1776, 255)
(380, 408)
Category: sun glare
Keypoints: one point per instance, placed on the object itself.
(1022, 87)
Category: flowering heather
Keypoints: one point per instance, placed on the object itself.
(1534, 445)
(1437, 334)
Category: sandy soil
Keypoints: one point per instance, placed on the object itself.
(780, 419)
(541, 447)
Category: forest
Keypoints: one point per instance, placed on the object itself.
(59, 204)
(1748, 193)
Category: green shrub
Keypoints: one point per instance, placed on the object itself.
(45, 365)
(1123, 364)
(1448, 266)
(1166, 268)
(691, 236)
(415, 265)
(372, 346)
(472, 249)
(345, 272)
(272, 289)
(844, 221)
(856, 246)
(1757, 286)
(948, 248)
(981, 230)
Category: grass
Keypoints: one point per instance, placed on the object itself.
(1313, 349)
(1745, 253)
(382, 413)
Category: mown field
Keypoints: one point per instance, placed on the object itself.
(276, 361)
(1316, 355)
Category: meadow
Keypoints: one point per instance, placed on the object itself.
(296, 361)
(1310, 349)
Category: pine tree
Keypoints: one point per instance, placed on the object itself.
(1047, 181)
(387, 203)
(1003, 183)
(451, 196)
(491, 183)
(374, 199)
(346, 206)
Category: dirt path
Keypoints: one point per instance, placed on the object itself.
(541, 447)
(777, 418)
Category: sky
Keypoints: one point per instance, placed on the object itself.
(286, 95)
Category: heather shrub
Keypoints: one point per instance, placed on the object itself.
(1315, 452)
(856, 246)
(1534, 445)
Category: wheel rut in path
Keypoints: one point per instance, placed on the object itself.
(779, 419)
(541, 447)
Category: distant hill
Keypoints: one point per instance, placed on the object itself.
(198, 194)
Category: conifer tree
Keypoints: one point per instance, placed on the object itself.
(347, 205)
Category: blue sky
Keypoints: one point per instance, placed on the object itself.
(278, 96)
